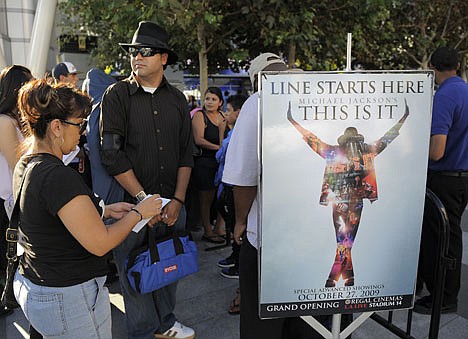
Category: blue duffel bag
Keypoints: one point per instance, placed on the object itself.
(161, 262)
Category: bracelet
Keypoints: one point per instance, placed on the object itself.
(179, 200)
(137, 212)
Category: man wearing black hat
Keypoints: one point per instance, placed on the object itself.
(146, 144)
(447, 176)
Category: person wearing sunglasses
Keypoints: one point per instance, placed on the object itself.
(59, 283)
(81, 125)
(146, 145)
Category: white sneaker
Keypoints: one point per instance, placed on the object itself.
(177, 331)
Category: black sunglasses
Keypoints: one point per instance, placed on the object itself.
(81, 125)
(144, 51)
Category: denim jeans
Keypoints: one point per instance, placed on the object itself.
(72, 312)
(148, 313)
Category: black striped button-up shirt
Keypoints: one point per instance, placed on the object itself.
(156, 133)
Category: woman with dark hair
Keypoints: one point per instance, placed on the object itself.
(11, 80)
(209, 127)
(349, 178)
(60, 279)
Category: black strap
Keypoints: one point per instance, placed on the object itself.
(137, 278)
(205, 118)
(153, 244)
(12, 231)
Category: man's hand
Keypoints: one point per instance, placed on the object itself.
(239, 230)
(170, 212)
(154, 220)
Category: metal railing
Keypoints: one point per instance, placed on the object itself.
(444, 263)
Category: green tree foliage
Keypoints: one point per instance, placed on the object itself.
(285, 27)
(211, 35)
(395, 34)
(111, 21)
(199, 29)
(336, 18)
(421, 26)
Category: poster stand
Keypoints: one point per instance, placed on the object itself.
(336, 325)
(297, 89)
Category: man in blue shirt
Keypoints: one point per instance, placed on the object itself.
(447, 175)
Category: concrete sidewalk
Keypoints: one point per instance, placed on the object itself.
(203, 301)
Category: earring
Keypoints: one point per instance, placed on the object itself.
(61, 144)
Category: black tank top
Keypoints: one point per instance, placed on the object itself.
(212, 135)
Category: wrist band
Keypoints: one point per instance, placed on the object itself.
(179, 200)
(137, 212)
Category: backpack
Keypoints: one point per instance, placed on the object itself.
(104, 185)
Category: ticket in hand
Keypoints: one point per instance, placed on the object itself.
(143, 222)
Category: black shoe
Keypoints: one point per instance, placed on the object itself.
(226, 263)
(5, 311)
(424, 306)
(230, 273)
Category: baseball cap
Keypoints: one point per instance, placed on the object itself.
(64, 68)
(261, 62)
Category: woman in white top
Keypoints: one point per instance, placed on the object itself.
(11, 80)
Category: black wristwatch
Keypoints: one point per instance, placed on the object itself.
(140, 196)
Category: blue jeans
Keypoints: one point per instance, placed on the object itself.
(72, 312)
(148, 313)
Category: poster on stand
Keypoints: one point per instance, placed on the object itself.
(343, 163)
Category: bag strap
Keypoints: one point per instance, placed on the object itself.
(12, 231)
(205, 118)
(153, 248)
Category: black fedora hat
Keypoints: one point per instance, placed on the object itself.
(148, 34)
(350, 134)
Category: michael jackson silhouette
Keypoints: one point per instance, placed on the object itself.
(349, 178)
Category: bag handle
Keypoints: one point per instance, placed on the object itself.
(153, 248)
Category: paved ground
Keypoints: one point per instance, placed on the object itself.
(203, 300)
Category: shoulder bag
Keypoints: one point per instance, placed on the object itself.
(161, 262)
(8, 296)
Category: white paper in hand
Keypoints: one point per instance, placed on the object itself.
(143, 222)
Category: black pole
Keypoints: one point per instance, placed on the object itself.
(443, 263)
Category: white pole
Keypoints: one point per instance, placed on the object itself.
(2, 61)
(336, 326)
(40, 37)
(348, 52)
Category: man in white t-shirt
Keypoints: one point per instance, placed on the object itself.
(241, 171)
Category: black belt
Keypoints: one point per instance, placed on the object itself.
(453, 174)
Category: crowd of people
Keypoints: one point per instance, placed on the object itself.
(139, 137)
